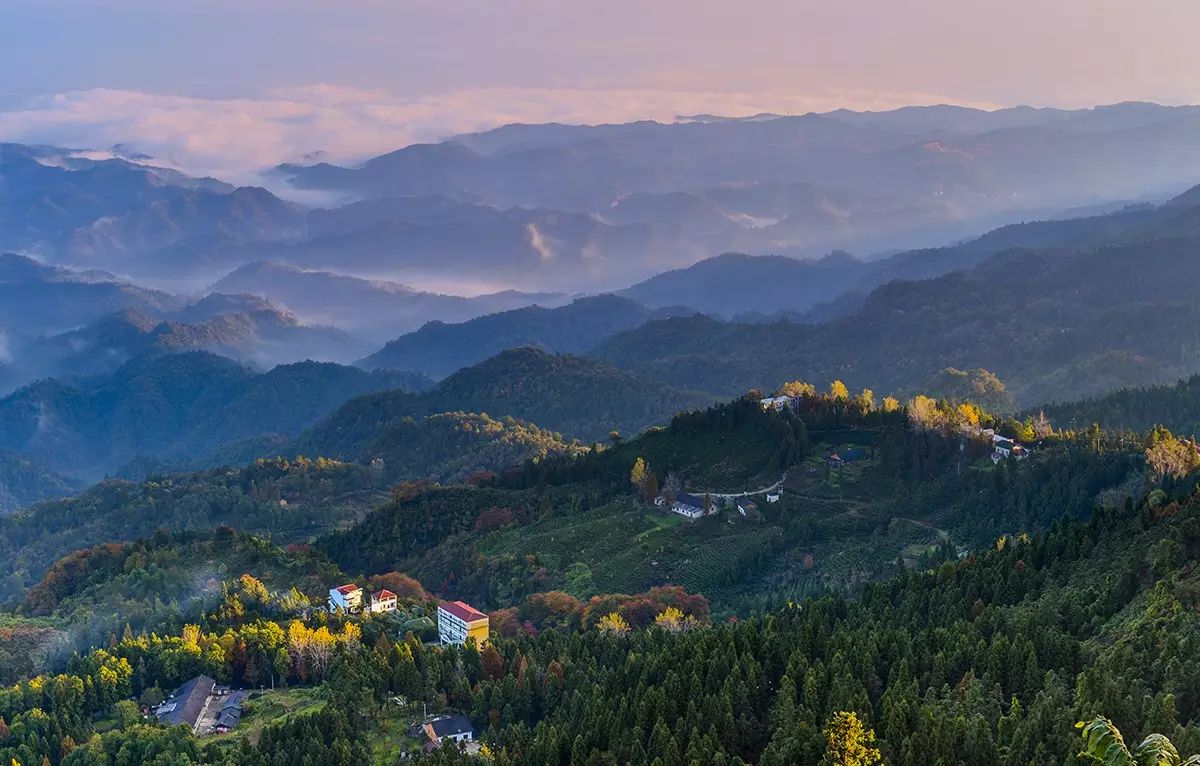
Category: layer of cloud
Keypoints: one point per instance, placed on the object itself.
(234, 139)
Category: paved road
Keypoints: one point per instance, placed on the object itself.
(735, 495)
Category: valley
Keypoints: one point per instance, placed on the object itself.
(840, 438)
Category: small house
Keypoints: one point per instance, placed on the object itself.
(348, 598)
(746, 506)
(454, 728)
(773, 497)
(688, 506)
(383, 601)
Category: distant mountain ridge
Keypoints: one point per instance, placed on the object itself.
(374, 309)
(1054, 324)
(438, 349)
(173, 406)
(579, 398)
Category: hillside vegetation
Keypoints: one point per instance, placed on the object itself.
(577, 397)
(179, 407)
(1053, 324)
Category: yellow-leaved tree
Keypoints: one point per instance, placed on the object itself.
(613, 623)
(849, 743)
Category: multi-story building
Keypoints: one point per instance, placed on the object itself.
(458, 621)
(348, 598)
(383, 601)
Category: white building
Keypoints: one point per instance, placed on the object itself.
(348, 598)
(383, 601)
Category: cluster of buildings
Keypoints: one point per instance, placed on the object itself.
(349, 599)
(780, 403)
(1004, 448)
(457, 621)
(202, 705)
(694, 506)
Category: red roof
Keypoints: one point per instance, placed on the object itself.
(463, 611)
(346, 590)
(380, 595)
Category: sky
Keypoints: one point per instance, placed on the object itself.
(230, 86)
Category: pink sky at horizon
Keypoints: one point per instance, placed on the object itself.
(230, 86)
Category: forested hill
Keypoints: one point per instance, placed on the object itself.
(438, 349)
(450, 446)
(1053, 324)
(180, 406)
(23, 482)
(319, 495)
(1176, 406)
(983, 657)
(577, 397)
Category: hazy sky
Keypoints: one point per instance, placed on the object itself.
(392, 71)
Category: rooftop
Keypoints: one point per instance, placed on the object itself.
(380, 595)
(187, 702)
(462, 611)
(346, 590)
(455, 724)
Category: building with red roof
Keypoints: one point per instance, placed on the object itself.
(458, 621)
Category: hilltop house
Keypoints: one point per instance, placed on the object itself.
(456, 728)
(773, 497)
(348, 598)
(1003, 448)
(186, 704)
(777, 403)
(458, 621)
(383, 601)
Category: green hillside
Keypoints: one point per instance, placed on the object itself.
(1176, 406)
(172, 579)
(319, 495)
(454, 445)
(576, 397)
(174, 408)
(23, 482)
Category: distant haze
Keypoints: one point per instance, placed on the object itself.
(226, 87)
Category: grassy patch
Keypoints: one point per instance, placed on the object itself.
(273, 706)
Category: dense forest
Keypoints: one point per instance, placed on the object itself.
(907, 598)
(577, 397)
(987, 659)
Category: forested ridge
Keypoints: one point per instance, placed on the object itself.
(989, 659)
(915, 602)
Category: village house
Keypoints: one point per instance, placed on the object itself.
(230, 714)
(746, 506)
(773, 497)
(383, 601)
(688, 506)
(186, 704)
(1003, 448)
(459, 621)
(455, 728)
(348, 598)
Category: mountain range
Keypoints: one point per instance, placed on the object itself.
(180, 407)
(593, 208)
(438, 348)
